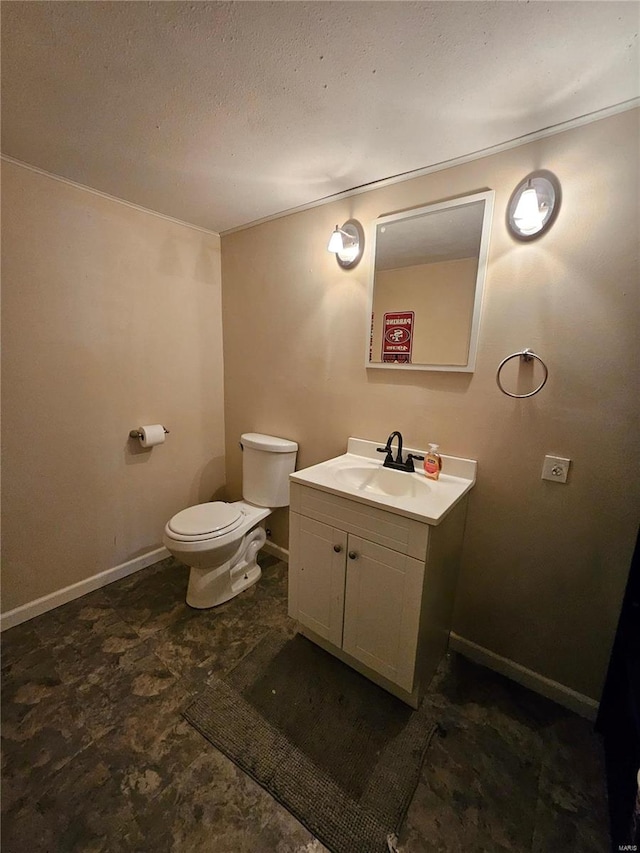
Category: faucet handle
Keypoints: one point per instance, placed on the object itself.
(410, 458)
(389, 457)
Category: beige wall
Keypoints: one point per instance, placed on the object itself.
(544, 565)
(111, 319)
(442, 296)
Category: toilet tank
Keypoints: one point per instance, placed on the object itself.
(267, 462)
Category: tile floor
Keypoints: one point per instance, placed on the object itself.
(96, 756)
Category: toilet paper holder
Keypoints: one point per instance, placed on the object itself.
(135, 433)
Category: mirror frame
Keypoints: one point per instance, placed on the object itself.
(487, 197)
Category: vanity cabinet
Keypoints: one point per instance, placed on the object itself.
(373, 587)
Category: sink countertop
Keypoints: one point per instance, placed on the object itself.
(360, 476)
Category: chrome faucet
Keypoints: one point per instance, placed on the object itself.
(397, 464)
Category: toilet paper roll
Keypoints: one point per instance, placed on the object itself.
(151, 434)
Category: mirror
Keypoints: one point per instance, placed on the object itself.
(426, 289)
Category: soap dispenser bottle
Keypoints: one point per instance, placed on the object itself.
(432, 463)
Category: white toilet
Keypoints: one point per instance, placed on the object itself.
(220, 541)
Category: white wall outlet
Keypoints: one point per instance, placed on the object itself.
(556, 469)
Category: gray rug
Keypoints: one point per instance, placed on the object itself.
(341, 754)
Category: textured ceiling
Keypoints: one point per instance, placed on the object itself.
(220, 114)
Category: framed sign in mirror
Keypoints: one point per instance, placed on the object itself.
(426, 287)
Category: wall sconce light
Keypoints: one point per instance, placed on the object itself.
(347, 243)
(534, 205)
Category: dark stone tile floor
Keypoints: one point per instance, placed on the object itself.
(96, 756)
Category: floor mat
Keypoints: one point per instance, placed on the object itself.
(340, 753)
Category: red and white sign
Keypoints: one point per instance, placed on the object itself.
(397, 337)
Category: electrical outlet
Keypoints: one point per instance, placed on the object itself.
(556, 469)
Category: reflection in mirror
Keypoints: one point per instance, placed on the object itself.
(426, 290)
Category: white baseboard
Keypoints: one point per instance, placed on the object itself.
(559, 693)
(276, 550)
(62, 596)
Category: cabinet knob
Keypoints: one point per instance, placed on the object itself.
(353, 555)
(337, 548)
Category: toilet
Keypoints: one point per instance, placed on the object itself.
(220, 541)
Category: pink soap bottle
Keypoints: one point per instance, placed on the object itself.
(432, 463)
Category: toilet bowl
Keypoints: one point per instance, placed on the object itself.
(220, 541)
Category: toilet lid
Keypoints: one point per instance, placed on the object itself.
(210, 519)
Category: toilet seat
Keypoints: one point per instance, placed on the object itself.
(205, 521)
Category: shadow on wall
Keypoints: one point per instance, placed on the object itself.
(175, 261)
(431, 379)
(202, 485)
(135, 453)
(202, 488)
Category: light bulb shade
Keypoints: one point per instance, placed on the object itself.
(336, 243)
(347, 243)
(527, 214)
(533, 205)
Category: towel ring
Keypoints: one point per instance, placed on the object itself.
(525, 355)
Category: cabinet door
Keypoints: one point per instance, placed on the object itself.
(382, 610)
(317, 554)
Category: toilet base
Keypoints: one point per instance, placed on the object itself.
(213, 586)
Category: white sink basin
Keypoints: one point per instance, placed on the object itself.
(376, 480)
(359, 475)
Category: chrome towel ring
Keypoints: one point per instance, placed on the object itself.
(525, 355)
